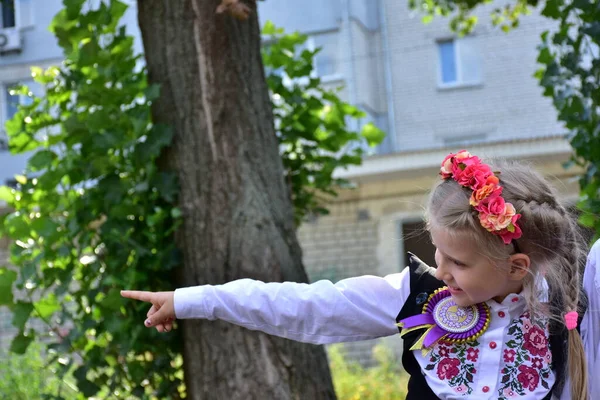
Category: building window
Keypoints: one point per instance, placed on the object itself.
(327, 60)
(7, 9)
(326, 63)
(459, 62)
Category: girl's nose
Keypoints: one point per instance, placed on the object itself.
(441, 273)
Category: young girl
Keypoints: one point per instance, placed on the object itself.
(498, 318)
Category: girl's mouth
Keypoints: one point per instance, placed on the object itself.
(454, 290)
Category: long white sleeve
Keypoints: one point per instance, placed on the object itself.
(322, 312)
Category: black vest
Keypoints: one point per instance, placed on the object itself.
(422, 284)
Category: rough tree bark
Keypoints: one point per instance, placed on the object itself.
(238, 217)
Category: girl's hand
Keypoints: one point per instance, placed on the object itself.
(162, 313)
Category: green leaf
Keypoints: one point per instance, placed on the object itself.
(269, 28)
(41, 160)
(373, 134)
(87, 388)
(552, 9)
(20, 342)
(73, 8)
(89, 52)
(113, 299)
(21, 311)
(545, 57)
(47, 306)
(44, 226)
(16, 226)
(7, 278)
(22, 179)
(587, 219)
(6, 194)
(117, 10)
(152, 92)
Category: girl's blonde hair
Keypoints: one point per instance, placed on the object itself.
(551, 239)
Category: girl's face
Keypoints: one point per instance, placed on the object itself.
(471, 277)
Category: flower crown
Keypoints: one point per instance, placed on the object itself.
(495, 215)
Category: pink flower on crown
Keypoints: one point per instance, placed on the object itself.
(489, 190)
(461, 162)
(474, 176)
(452, 161)
(512, 231)
(446, 169)
(464, 155)
(491, 205)
(495, 220)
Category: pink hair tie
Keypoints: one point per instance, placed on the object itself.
(571, 320)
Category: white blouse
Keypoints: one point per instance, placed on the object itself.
(590, 325)
(511, 359)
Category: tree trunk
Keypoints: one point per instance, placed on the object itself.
(238, 217)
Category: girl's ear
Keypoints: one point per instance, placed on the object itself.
(519, 266)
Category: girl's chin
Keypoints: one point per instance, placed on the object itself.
(461, 299)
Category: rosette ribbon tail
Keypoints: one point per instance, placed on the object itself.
(419, 321)
(432, 334)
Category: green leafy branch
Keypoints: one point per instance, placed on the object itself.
(93, 213)
(312, 123)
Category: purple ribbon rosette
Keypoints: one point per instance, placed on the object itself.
(445, 321)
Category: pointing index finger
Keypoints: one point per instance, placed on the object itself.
(137, 295)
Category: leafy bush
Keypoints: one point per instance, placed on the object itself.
(27, 377)
(387, 380)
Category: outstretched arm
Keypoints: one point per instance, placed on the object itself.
(350, 310)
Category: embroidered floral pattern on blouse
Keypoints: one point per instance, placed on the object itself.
(527, 357)
(455, 363)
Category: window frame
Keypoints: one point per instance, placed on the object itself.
(336, 76)
(18, 11)
(310, 46)
(15, 15)
(460, 79)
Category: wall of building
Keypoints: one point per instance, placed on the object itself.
(507, 103)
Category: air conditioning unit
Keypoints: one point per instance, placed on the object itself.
(10, 41)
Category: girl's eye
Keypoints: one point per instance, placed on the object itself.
(458, 263)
